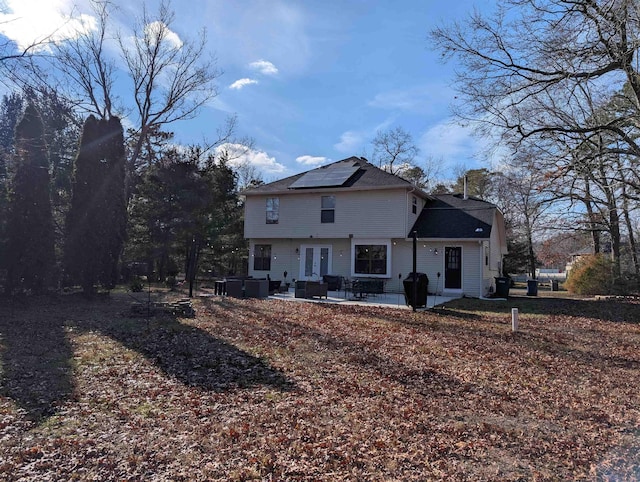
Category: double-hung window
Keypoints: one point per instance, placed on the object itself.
(262, 257)
(273, 210)
(328, 209)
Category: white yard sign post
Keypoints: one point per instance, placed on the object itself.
(514, 319)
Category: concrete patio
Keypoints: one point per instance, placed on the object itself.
(394, 300)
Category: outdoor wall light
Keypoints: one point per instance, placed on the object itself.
(435, 252)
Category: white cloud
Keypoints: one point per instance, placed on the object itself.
(311, 160)
(240, 154)
(350, 141)
(157, 28)
(264, 67)
(240, 83)
(29, 21)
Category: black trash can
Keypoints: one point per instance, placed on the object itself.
(554, 285)
(532, 287)
(502, 286)
(421, 293)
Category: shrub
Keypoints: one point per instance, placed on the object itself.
(591, 275)
(136, 284)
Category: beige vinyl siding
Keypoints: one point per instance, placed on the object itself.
(431, 263)
(379, 214)
(472, 270)
(285, 258)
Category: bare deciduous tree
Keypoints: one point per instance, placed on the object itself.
(561, 76)
(394, 149)
(172, 78)
(84, 62)
(535, 54)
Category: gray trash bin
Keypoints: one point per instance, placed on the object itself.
(532, 287)
(422, 282)
(502, 286)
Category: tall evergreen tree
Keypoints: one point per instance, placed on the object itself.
(30, 255)
(97, 217)
(114, 226)
(11, 108)
(186, 212)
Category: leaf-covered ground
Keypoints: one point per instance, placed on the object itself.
(274, 390)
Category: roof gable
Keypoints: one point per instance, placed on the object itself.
(450, 216)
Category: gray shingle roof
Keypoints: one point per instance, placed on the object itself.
(450, 216)
(367, 177)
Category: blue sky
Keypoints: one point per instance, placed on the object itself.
(311, 82)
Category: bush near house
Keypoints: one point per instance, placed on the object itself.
(591, 275)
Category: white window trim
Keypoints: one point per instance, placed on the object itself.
(276, 211)
(352, 268)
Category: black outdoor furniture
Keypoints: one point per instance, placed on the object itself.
(274, 285)
(361, 288)
(309, 289)
(333, 281)
(246, 287)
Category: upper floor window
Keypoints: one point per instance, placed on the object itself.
(328, 209)
(414, 205)
(273, 210)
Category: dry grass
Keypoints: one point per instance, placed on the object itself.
(271, 390)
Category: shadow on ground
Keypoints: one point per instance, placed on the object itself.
(614, 310)
(36, 357)
(36, 354)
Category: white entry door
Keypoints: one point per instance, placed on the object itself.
(315, 261)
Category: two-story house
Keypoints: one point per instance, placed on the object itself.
(351, 218)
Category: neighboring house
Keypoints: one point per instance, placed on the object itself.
(577, 256)
(353, 219)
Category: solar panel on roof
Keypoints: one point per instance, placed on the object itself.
(325, 177)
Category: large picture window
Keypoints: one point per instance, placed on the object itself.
(262, 257)
(328, 209)
(273, 210)
(371, 259)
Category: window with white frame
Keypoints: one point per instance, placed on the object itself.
(328, 209)
(371, 259)
(273, 210)
(414, 205)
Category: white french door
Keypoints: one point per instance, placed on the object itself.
(315, 261)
